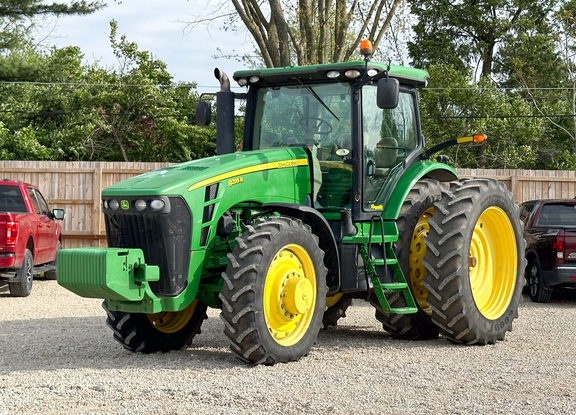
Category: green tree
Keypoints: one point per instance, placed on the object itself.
(455, 106)
(469, 33)
(17, 16)
(67, 110)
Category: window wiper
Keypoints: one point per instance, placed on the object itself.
(315, 95)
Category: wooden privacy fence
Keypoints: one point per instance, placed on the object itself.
(531, 184)
(76, 187)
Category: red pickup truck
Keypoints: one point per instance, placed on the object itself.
(30, 236)
(550, 233)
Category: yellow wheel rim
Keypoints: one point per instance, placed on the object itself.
(173, 321)
(417, 252)
(330, 301)
(290, 295)
(493, 263)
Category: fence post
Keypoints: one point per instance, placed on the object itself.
(97, 204)
(514, 186)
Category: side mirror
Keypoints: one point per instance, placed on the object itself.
(203, 113)
(58, 214)
(388, 92)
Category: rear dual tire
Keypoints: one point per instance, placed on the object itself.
(474, 262)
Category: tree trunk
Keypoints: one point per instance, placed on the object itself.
(319, 30)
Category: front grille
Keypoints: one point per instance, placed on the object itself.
(164, 237)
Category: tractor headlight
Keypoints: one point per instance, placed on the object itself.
(157, 204)
(114, 204)
(352, 73)
(140, 205)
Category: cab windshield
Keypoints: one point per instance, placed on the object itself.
(318, 117)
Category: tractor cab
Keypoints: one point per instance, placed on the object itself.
(357, 120)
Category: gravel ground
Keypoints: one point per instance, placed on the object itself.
(57, 356)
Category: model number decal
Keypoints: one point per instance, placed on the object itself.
(289, 163)
(236, 180)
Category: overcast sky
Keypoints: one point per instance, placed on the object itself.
(156, 26)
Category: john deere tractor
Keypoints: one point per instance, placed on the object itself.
(332, 198)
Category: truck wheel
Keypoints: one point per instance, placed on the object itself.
(22, 286)
(337, 306)
(51, 275)
(274, 292)
(475, 262)
(159, 332)
(539, 293)
(413, 227)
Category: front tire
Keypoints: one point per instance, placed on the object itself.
(413, 227)
(539, 293)
(475, 262)
(159, 332)
(274, 292)
(22, 287)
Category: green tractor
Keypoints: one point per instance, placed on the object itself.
(332, 198)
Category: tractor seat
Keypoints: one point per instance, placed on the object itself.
(385, 155)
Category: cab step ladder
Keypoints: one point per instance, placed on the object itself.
(378, 280)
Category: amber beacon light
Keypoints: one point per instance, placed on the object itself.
(366, 48)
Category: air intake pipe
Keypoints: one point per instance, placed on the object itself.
(224, 115)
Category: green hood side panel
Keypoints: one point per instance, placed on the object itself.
(179, 179)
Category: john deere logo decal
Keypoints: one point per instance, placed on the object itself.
(125, 205)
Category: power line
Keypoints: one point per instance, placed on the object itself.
(183, 85)
(502, 89)
(443, 117)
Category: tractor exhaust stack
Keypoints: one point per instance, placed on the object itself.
(224, 115)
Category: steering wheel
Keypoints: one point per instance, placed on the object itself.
(317, 129)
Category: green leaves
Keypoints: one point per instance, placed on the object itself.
(62, 109)
(454, 106)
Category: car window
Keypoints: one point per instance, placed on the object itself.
(38, 202)
(11, 199)
(557, 215)
(525, 211)
(42, 203)
(33, 200)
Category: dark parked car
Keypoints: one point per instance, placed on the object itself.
(550, 232)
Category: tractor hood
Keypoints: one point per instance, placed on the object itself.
(192, 175)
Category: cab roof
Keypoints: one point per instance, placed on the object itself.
(314, 73)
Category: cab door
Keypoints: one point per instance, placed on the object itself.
(390, 136)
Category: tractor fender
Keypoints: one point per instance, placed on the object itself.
(321, 228)
(422, 170)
